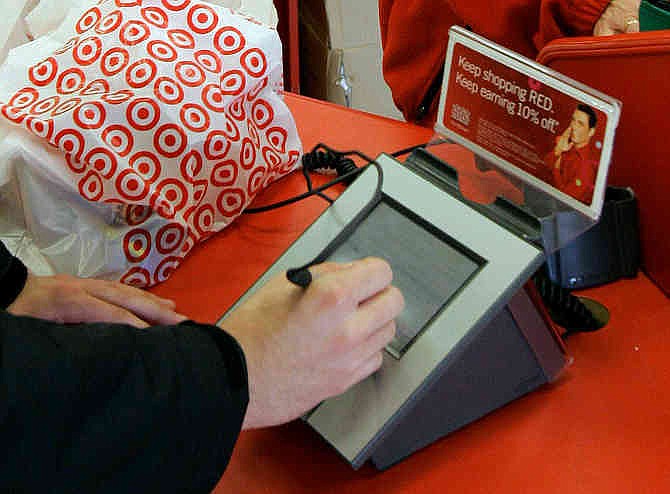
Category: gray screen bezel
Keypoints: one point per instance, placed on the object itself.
(356, 420)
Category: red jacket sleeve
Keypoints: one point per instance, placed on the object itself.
(414, 42)
(414, 36)
(562, 18)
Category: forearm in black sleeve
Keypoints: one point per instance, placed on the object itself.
(111, 408)
(13, 274)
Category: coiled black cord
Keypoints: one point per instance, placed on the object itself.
(321, 157)
(564, 308)
(329, 160)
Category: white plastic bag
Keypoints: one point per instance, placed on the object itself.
(140, 127)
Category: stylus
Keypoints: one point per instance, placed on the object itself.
(299, 276)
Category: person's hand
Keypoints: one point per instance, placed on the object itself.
(563, 143)
(66, 299)
(305, 345)
(620, 16)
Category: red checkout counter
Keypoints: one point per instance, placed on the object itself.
(603, 427)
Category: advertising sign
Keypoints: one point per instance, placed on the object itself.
(534, 123)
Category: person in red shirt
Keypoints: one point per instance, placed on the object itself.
(414, 37)
(573, 163)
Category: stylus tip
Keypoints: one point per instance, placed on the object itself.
(299, 276)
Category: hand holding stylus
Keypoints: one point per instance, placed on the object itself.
(304, 345)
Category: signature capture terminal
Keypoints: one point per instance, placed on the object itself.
(471, 337)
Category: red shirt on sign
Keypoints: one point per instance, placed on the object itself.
(575, 172)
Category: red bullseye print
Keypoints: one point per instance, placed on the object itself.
(181, 38)
(70, 81)
(134, 32)
(143, 114)
(170, 140)
(24, 97)
(190, 241)
(69, 44)
(231, 130)
(147, 165)
(90, 115)
(230, 202)
(155, 16)
(91, 187)
(137, 214)
(66, 106)
(256, 89)
(137, 245)
(15, 115)
(169, 238)
(110, 22)
(119, 139)
(169, 197)
(194, 118)
(137, 277)
(131, 186)
(87, 51)
(164, 110)
(117, 97)
(191, 166)
(114, 61)
(141, 73)
(75, 164)
(270, 177)
(44, 72)
(253, 133)
(247, 154)
(204, 219)
(271, 157)
(175, 5)
(293, 157)
(166, 268)
(256, 179)
(202, 19)
(237, 111)
(168, 91)
(277, 137)
(95, 88)
(88, 20)
(229, 40)
(232, 82)
(212, 97)
(162, 51)
(254, 62)
(70, 141)
(40, 127)
(114, 202)
(224, 173)
(216, 145)
(189, 74)
(199, 190)
(208, 60)
(187, 215)
(45, 106)
(102, 160)
(127, 3)
(262, 113)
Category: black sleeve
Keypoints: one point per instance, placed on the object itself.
(13, 274)
(111, 408)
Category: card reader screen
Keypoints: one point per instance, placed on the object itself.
(428, 266)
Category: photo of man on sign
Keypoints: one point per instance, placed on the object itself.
(573, 163)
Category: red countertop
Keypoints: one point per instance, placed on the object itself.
(602, 427)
